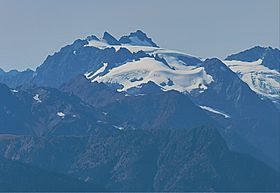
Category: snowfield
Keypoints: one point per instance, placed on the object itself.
(178, 72)
(177, 75)
(133, 74)
(262, 80)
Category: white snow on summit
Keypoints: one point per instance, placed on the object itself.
(184, 77)
(135, 73)
(262, 80)
(175, 76)
(132, 48)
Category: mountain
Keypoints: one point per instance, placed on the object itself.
(147, 160)
(78, 58)
(131, 116)
(131, 69)
(146, 107)
(153, 110)
(259, 67)
(15, 78)
(137, 38)
(252, 119)
(43, 111)
(33, 179)
(211, 84)
(169, 69)
(270, 57)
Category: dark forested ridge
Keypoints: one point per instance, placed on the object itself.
(145, 160)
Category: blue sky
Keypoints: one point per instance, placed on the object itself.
(32, 29)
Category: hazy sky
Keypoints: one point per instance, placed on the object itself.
(32, 29)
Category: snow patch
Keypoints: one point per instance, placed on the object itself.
(100, 121)
(118, 127)
(184, 77)
(214, 111)
(132, 48)
(90, 75)
(97, 44)
(60, 114)
(140, 94)
(37, 98)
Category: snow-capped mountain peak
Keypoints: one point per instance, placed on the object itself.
(170, 70)
(270, 56)
(259, 67)
(261, 79)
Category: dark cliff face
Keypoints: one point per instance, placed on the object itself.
(111, 40)
(141, 39)
(141, 160)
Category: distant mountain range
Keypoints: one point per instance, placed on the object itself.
(143, 118)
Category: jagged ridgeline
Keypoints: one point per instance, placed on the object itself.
(124, 114)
